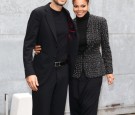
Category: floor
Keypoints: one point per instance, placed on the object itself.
(127, 114)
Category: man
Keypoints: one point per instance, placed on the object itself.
(47, 74)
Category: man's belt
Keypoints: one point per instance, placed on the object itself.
(60, 63)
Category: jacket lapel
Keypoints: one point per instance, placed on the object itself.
(89, 32)
(50, 20)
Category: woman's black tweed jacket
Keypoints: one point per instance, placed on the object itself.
(96, 59)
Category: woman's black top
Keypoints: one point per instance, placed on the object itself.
(82, 29)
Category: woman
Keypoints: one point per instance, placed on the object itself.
(90, 65)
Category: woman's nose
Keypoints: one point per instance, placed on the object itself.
(79, 8)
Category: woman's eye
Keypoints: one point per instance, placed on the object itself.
(83, 6)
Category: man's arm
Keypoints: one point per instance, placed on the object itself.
(30, 41)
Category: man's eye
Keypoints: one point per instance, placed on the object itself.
(75, 6)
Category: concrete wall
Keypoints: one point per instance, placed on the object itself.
(120, 16)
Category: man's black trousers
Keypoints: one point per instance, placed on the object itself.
(84, 95)
(50, 98)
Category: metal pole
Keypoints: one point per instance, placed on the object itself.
(6, 104)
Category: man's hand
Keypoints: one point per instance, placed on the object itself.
(37, 49)
(110, 78)
(32, 82)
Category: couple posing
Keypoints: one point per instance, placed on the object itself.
(66, 52)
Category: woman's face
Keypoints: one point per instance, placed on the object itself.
(80, 7)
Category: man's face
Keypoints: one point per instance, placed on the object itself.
(60, 2)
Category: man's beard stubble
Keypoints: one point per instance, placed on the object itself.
(55, 1)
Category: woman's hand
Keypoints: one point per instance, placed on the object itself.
(37, 49)
(110, 78)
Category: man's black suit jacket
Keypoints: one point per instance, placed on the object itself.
(41, 30)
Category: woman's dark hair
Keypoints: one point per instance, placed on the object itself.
(86, 1)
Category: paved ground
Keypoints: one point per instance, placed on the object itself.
(128, 114)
